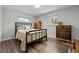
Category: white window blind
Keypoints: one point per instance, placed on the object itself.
(23, 19)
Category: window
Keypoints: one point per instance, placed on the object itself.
(23, 19)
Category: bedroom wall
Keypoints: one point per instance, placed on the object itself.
(9, 17)
(0, 21)
(68, 15)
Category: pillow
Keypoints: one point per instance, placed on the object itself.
(27, 27)
(21, 27)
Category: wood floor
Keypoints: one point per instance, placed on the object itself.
(50, 46)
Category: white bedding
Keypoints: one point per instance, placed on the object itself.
(21, 35)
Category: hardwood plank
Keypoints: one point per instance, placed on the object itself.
(3, 47)
(77, 46)
(50, 46)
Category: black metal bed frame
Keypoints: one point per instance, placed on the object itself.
(27, 44)
(36, 40)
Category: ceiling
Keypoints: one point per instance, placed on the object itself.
(31, 10)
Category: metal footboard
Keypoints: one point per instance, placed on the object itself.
(38, 34)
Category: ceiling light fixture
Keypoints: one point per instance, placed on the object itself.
(37, 6)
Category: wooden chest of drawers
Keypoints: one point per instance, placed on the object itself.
(63, 32)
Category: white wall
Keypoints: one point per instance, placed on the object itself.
(0, 21)
(9, 17)
(68, 15)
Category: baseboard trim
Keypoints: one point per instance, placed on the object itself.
(7, 39)
(52, 38)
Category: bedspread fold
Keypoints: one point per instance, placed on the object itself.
(21, 35)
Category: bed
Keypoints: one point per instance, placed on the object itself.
(27, 35)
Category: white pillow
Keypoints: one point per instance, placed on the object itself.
(21, 27)
(27, 27)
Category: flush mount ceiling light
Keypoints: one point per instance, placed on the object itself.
(37, 6)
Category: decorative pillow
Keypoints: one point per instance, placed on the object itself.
(27, 27)
(21, 27)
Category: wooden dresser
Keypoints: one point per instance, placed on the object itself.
(64, 32)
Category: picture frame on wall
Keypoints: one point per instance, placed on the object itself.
(54, 19)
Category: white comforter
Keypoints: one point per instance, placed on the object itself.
(21, 35)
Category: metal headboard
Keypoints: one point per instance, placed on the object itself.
(20, 23)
